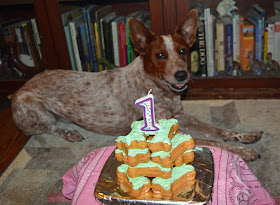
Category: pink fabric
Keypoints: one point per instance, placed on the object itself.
(234, 182)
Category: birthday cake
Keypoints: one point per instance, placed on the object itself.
(157, 163)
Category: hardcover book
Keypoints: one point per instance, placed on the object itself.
(248, 45)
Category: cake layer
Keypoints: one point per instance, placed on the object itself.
(181, 178)
(181, 145)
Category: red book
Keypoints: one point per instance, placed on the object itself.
(122, 42)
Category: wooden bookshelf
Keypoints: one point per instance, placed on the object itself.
(165, 15)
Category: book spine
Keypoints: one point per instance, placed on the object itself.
(235, 30)
(75, 46)
(116, 43)
(209, 42)
(84, 41)
(270, 38)
(108, 41)
(276, 42)
(130, 53)
(122, 40)
(31, 43)
(81, 50)
(265, 47)
(36, 36)
(98, 46)
(220, 46)
(70, 47)
(241, 27)
(19, 39)
(195, 58)
(229, 42)
(89, 41)
(259, 41)
(248, 45)
(202, 48)
(24, 41)
(261, 12)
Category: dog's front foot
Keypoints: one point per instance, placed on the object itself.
(248, 138)
(247, 154)
(72, 136)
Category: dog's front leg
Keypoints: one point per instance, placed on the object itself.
(197, 128)
(246, 153)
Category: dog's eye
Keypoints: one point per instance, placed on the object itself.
(183, 51)
(160, 56)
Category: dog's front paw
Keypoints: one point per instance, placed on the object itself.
(248, 138)
(73, 136)
(247, 154)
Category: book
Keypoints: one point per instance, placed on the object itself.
(31, 42)
(66, 17)
(21, 40)
(270, 39)
(247, 45)
(235, 36)
(122, 42)
(220, 45)
(85, 48)
(37, 36)
(276, 54)
(194, 55)
(228, 39)
(265, 46)
(81, 50)
(241, 26)
(74, 26)
(256, 20)
(202, 48)
(107, 37)
(100, 14)
(130, 51)
(89, 19)
(262, 15)
(209, 42)
(115, 36)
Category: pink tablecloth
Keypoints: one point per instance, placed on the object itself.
(234, 182)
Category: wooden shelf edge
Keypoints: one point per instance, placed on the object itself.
(230, 82)
(231, 93)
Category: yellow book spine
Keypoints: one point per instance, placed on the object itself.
(265, 46)
(98, 48)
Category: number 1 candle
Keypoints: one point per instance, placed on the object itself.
(147, 102)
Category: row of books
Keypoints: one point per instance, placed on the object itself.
(223, 43)
(98, 39)
(25, 36)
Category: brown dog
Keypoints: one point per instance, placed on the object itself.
(104, 102)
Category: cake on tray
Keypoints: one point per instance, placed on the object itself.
(158, 165)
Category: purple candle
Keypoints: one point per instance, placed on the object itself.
(147, 102)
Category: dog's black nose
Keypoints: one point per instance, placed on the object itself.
(181, 75)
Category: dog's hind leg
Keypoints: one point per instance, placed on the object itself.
(198, 128)
(32, 116)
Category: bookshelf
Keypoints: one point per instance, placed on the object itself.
(169, 12)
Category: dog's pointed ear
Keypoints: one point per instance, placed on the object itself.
(140, 35)
(187, 28)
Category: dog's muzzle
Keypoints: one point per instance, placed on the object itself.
(181, 77)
